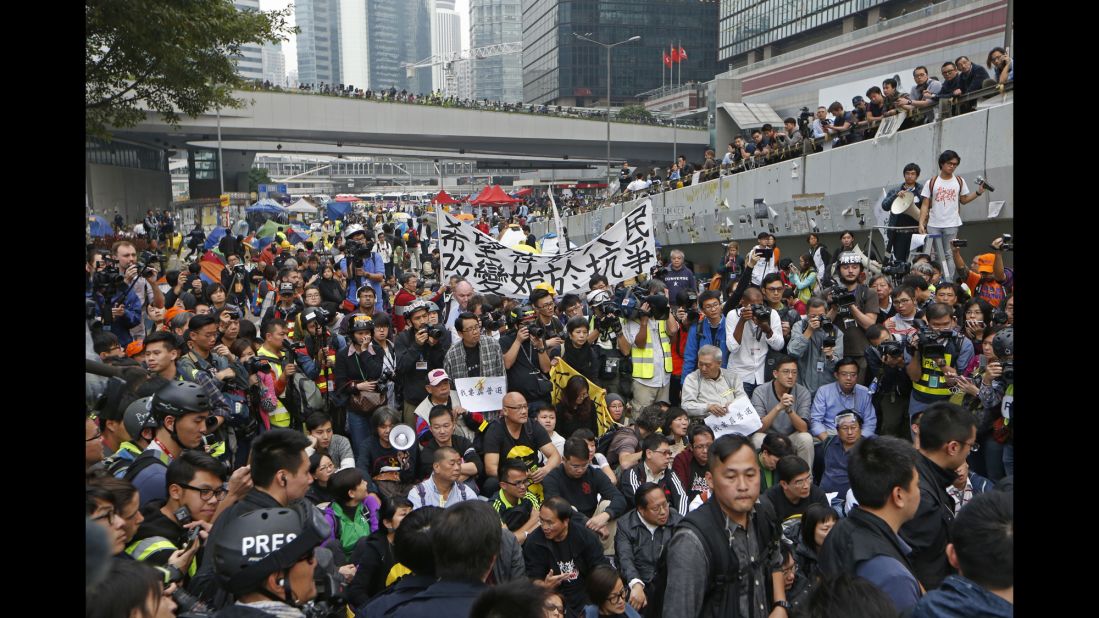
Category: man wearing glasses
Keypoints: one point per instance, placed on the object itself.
(795, 490)
(195, 490)
(473, 356)
(783, 407)
(655, 467)
(845, 394)
(518, 507)
(641, 536)
(942, 196)
(947, 435)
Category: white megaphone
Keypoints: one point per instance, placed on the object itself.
(905, 204)
(402, 437)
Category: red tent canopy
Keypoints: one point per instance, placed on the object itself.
(494, 195)
(525, 191)
(483, 192)
(444, 198)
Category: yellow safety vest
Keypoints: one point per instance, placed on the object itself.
(933, 380)
(642, 358)
(281, 416)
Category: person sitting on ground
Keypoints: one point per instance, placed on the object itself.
(606, 593)
(518, 507)
(597, 501)
(691, 465)
(655, 467)
(815, 526)
(795, 492)
(353, 513)
(640, 537)
(773, 448)
(562, 553)
(397, 565)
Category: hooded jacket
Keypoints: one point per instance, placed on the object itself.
(959, 597)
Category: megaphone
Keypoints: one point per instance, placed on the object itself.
(402, 437)
(905, 204)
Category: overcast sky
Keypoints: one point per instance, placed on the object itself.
(289, 48)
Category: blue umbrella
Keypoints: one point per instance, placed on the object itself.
(99, 227)
(214, 238)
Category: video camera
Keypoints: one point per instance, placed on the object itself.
(658, 272)
(146, 259)
(257, 365)
(896, 269)
(331, 599)
(1008, 375)
(658, 304)
(933, 343)
(359, 251)
(841, 296)
(891, 347)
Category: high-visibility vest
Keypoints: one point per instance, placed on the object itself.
(141, 550)
(642, 358)
(281, 416)
(932, 379)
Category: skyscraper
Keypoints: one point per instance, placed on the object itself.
(250, 60)
(318, 43)
(446, 37)
(560, 69)
(274, 64)
(499, 78)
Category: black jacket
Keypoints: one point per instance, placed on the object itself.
(636, 550)
(414, 381)
(585, 492)
(634, 477)
(345, 370)
(928, 532)
(857, 538)
(580, 551)
(374, 558)
(241, 611)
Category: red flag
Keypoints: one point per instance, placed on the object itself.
(682, 54)
(667, 60)
(675, 55)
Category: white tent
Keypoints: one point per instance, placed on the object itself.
(303, 206)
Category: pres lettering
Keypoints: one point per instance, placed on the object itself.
(264, 544)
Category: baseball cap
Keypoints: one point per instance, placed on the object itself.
(172, 313)
(985, 262)
(134, 348)
(436, 377)
(286, 288)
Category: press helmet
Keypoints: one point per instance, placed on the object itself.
(138, 416)
(1003, 344)
(266, 541)
(353, 229)
(178, 398)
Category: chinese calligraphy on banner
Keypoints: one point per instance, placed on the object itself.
(741, 418)
(481, 394)
(627, 249)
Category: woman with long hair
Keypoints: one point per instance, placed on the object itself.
(575, 410)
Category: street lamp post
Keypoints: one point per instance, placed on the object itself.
(608, 47)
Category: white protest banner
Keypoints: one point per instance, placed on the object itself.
(741, 418)
(481, 394)
(626, 250)
(994, 209)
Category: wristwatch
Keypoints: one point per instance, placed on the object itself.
(783, 604)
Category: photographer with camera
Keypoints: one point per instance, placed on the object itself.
(286, 308)
(985, 275)
(110, 304)
(209, 364)
(526, 351)
(362, 265)
(316, 352)
(854, 307)
(605, 333)
(997, 395)
(890, 387)
(420, 348)
(817, 345)
(237, 280)
(750, 331)
(765, 249)
(141, 275)
(935, 357)
(274, 351)
(648, 332)
(709, 330)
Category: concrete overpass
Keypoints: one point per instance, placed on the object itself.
(290, 119)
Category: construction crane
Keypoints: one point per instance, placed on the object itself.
(448, 61)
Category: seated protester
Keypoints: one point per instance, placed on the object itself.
(625, 447)
(816, 523)
(518, 508)
(390, 556)
(586, 489)
(353, 513)
(606, 592)
(982, 550)
(774, 447)
(596, 459)
(690, 465)
(710, 389)
(967, 485)
(783, 406)
(562, 552)
(319, 426)
(641, 537)
(468, 425)
(676, 423)
(576, 409)
(321, 469)
(546, 415)
(794, 494)
(577, 352)
(465, 540)
(512, 437)
(842, 395)
(708, 330)
(442, 488)
(393, 470)
(195, 492)
(865, 544)
(797, 583)
(443, 435)
(655, 467)
(816, 361)
(837, 451)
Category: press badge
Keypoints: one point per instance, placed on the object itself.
(421, 365)
(820, 366)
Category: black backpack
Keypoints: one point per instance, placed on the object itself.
(144, 460)
(725, 571)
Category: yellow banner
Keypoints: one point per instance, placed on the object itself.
(559, 376)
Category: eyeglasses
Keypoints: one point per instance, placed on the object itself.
(558, 610)
(205, 493)
(325, 468)
(701, 447)
(98, 434)
(619, 596)
(472, 329)
(664, 452)
(544, 306)
(973, 446)
(801, 483)
(790, 570)
(108, 515)
(523, 483)
(711, 306)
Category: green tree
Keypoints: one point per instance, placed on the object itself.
(636, 113)
(171, 57)
(257, 176)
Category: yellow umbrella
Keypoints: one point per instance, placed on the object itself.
(525, 248)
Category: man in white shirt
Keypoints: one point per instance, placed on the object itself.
(639, 183)
(710, 389)
(768, 264)
(939, 213)
(749, 337)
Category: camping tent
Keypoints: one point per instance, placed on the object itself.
(444, 198)
(494, 195)
(99, 226)
(337, 210)
(303, 206)
(266, 206)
